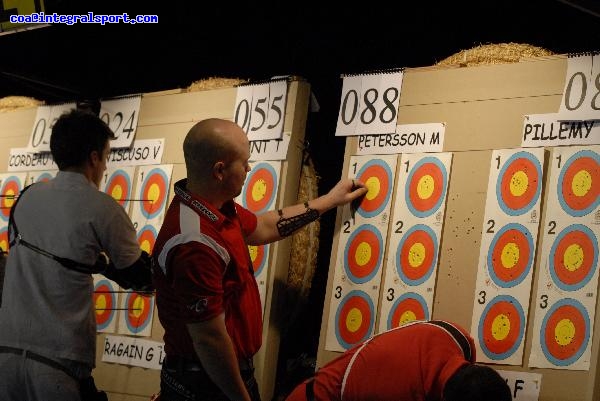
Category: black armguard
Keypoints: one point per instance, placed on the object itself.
(287, 225)
(137, 277)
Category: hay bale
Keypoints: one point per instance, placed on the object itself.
(305, 242)
(214, 83)
(500, 53)
(10, 103)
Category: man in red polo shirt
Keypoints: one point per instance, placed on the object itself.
(419, 361)
(206, 295)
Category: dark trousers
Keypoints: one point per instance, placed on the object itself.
(188, 381)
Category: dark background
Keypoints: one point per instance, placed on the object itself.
(254, 41)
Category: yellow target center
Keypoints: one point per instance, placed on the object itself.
(374, 187)
(253, 249)
(101, 304)
(564, 332)
(117, 192)
(519, 183)
(500, 327)
(510, 255)
(363, 254)
(573, 257)
(425, 187)
(137, 308)
(4, 245)
(407, 316)
(259, 189)
(153, 193)
(9, 198)
(416, 254)
(582, 183)
(354, 320)
(146, 246)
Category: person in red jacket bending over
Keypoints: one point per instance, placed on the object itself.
(419, 361)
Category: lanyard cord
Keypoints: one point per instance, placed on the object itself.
(16, 239)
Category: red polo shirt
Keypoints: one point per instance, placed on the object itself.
(411, 363)
(203, 269)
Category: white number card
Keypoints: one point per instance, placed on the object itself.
(369, 104)
(45, 118)
(581, 95)
(260, 109)
(121, 115)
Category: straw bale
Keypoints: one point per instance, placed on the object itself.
(500, 53)
(214, 83)
(10, 103)
(305, 242)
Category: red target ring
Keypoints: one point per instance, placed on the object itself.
(4, 242)
(104, 303)
(258, 257)
(377, 176)
(408, 307)
(580, 184)
(154, 193)
(519, 183)
(565, 332)
(501, 327)
(147, 238)
(417, 255)
(426, 186)
(259, 190)
(363, 253)
(511, 255)
(119, 187)
(139, 309)
(573, 257)
(10, 191)
(354, 319)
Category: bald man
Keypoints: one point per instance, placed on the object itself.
(207, 298)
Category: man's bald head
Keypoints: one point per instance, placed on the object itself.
(208, 142)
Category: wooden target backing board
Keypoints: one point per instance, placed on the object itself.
(483, 109)
(169, 115)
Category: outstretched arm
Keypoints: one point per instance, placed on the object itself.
(277, 224)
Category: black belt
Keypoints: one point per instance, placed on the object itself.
(187, 365)
(36, 357)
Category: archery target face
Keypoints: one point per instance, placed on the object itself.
(510, 256)
(354, 318)
(105, 303)
(377, 176)
(519, 184)
(565, 332)
(44, 177)
(118, 185)
(573, 257)
(408, 307)
(258, 256)
(260, 188)
(154, 193)
(147, 237)
(416, 256)
(139, 312)
(501, 327)
(4, 239)
(426, 187)
(579, 183)
(363, 253)
(11, 186)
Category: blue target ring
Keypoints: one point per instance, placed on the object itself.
(361, 303)
(531, 168)
(439, 177)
